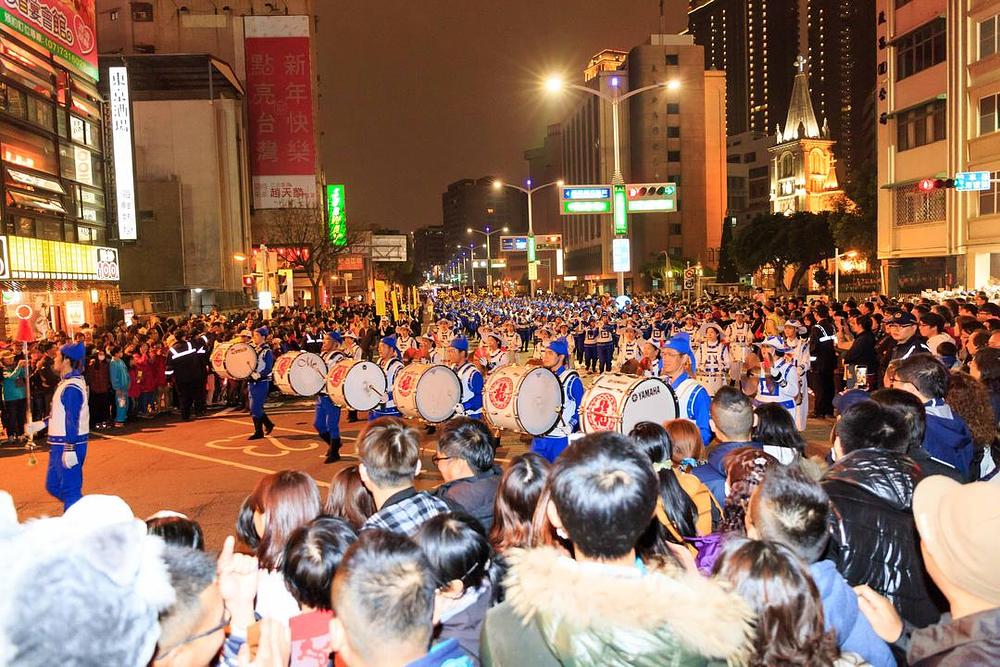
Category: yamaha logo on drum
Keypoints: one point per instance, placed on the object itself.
(646, 393)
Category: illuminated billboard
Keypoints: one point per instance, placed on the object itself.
(336, 215)
(64, 27)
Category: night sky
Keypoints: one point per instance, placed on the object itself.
(417, 94)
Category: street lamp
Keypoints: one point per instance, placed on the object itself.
(555, 84)
(836, 269)
(498, 184)
(488, 234)
(472, 260)
(239, 257)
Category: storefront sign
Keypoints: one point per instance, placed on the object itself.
(621, 260)
(121, 134)
(74, 313)
(38, 259)
(84, 169)
(4, 259)
(64, 28)
(129, 315)
(351, 263)
(279, 100)
(336, 214)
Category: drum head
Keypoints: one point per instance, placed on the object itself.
(438, 392)
(651, 400)
(307, 375)
(364, 386)
(539, 401)
(239, 360)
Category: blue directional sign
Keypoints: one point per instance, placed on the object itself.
(972, 181)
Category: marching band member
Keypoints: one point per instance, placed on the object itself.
(605, 344)
(436, 354)
(260, 384)
(798, 352)
(351, 349)
(739, 336)
(470, 377)
(578, 331)
(388, 355)
(404, 340)
(511, 340)
(712, 358)
(551, 445)
(495, 356)
(544, 337)
(676, 358)
(631, 347)
(564, 333)
(778, 378)
(326, 420)
(590, 345)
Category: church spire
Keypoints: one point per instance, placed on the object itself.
(801, 122)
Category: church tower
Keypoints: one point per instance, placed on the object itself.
(802, 164)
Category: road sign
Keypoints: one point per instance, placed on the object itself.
(496, 263)
(513, 244)
(652, 197)
(621, 219)
(972, 181)
(621, 260)
(584, 199)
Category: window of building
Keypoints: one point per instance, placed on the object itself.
(921, 126)
(29, 150)
(988, 37)
(920, 49)
(81, 165)
(758, 172)
(673, 132)
(673, 107)
(142, 12)
(90, 235)
(988, 117)
(786, 166)
(733, 158)
(675, 229)
(914, 206)
(49, 229)
(673, 156)
(817, 162)
(749, 157)
(901, 3)
(673, 59)
(989, 200)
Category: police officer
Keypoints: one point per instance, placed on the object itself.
(326, 421)
(260, 384)
(551, 445)
(902, 327)
(186, 369)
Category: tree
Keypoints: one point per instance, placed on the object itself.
(304, 243)
(855, 223)
(796, 241)
(727, 264)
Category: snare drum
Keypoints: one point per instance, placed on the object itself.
(300, 373)
(618, 402)
(234, 360)
(427, 392)
(356, 385)
(526, 399)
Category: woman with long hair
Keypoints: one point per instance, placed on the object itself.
(746, 468)
(517, 497)
(775, 429)
(348, 499)
(280, 503)
(970, 399)
(777, 586)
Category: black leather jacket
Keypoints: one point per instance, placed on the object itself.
(874, 540)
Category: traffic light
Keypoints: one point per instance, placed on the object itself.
(931, 184)
(652, 197)
(249, 283)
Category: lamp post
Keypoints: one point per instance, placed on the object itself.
(498, 184)
(488, 234)
(836, 269)
(556, 84)
(472, 262)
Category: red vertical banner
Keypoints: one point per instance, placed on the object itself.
(280, 109)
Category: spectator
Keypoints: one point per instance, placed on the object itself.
(120, 381)
(15, 404)
(383, 601)
(603, 606)
(465, 453)
(970, 400)
(280, 503)
(348, 499)
(871, 487)
(985, 367)
(745, 470)
(947, 354)
(931, 327)
(947, 437)
(390, 461)
(176, 529)
(909, 407)
(732, 423)
(312, 555)
(792, 509)
(775, 430)
(98, 376)
(862, 351)
(460, 559)
(517, 496)
(777, 586)
(958, 527)
(687, 451)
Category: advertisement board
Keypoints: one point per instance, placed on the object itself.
(64, 27)
(40, 259)
(121, 143)
(621, 259)
(351, 263)
(279, 102)
(336, 214)
(388, 247)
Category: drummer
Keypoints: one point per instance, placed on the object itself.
(495, 356)
(631, 347)
(778, 378)
(676, 360)
(555, 359)
(327, 418)
(388, 360)
(470, 377)
(260, 384)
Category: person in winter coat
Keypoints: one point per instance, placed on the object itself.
(792, 509)
(960, 529)
(120, 383)
(871, 487)
(603, 606)
(732, 423)
(465, 457)
(15, 404)
(98, 376)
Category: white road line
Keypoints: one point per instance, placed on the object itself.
(286, 428)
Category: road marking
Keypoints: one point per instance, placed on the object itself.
(285, 428)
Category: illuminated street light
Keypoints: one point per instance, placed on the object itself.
(239, 257)
(554, 84)
(673, 84)
(531, 224)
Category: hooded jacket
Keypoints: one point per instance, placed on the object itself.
(717, 453)
(874, 540)
(842, 614)
(561, 612)
(949, 440)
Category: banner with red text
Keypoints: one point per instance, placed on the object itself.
(279, 102)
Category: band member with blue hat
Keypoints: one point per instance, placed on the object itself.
(470, 377)
(556, 359)
(388, 354)
(69, 426)
(676, 361)
(260, 384)
(779, 375)
(327, 418)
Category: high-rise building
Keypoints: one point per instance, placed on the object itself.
(429, 248)
(938, 98)
(477, 204)
(748, 179)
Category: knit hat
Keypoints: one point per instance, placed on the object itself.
(334, 336)
(391, 342)
(681, 343)
(960, 528)
(263, 331)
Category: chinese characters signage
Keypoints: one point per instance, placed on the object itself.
(38, 259)
(64, 27)
(121, 141)
(279, 92)
(336, 215)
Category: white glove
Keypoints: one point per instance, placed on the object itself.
(459, 409)
(34, 427)
(255, 376)
(69, 458)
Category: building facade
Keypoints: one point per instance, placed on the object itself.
(748, 177)
(58, 265)
(477, 204)
(429, 250)
(938, 92)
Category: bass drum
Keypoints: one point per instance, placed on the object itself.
(300, 373)
(356, 385)
(617, 402)
(427, 392)
(526, 399)
(234, 360)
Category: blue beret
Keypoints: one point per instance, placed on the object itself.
(391, 342)
(335, 336)
(74, 351)
(559, 346)
(460, 343)
(264, 331)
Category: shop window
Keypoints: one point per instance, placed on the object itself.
(85, 99)
(142, 12)
(90, 206)
(22, 179)
(989, 200)
(50, 229)
(40, 201)
(24, 226)
(41, 113)
(80, 164)
(84, 132)
(15, 101)
(26, 78)
(988, 116)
